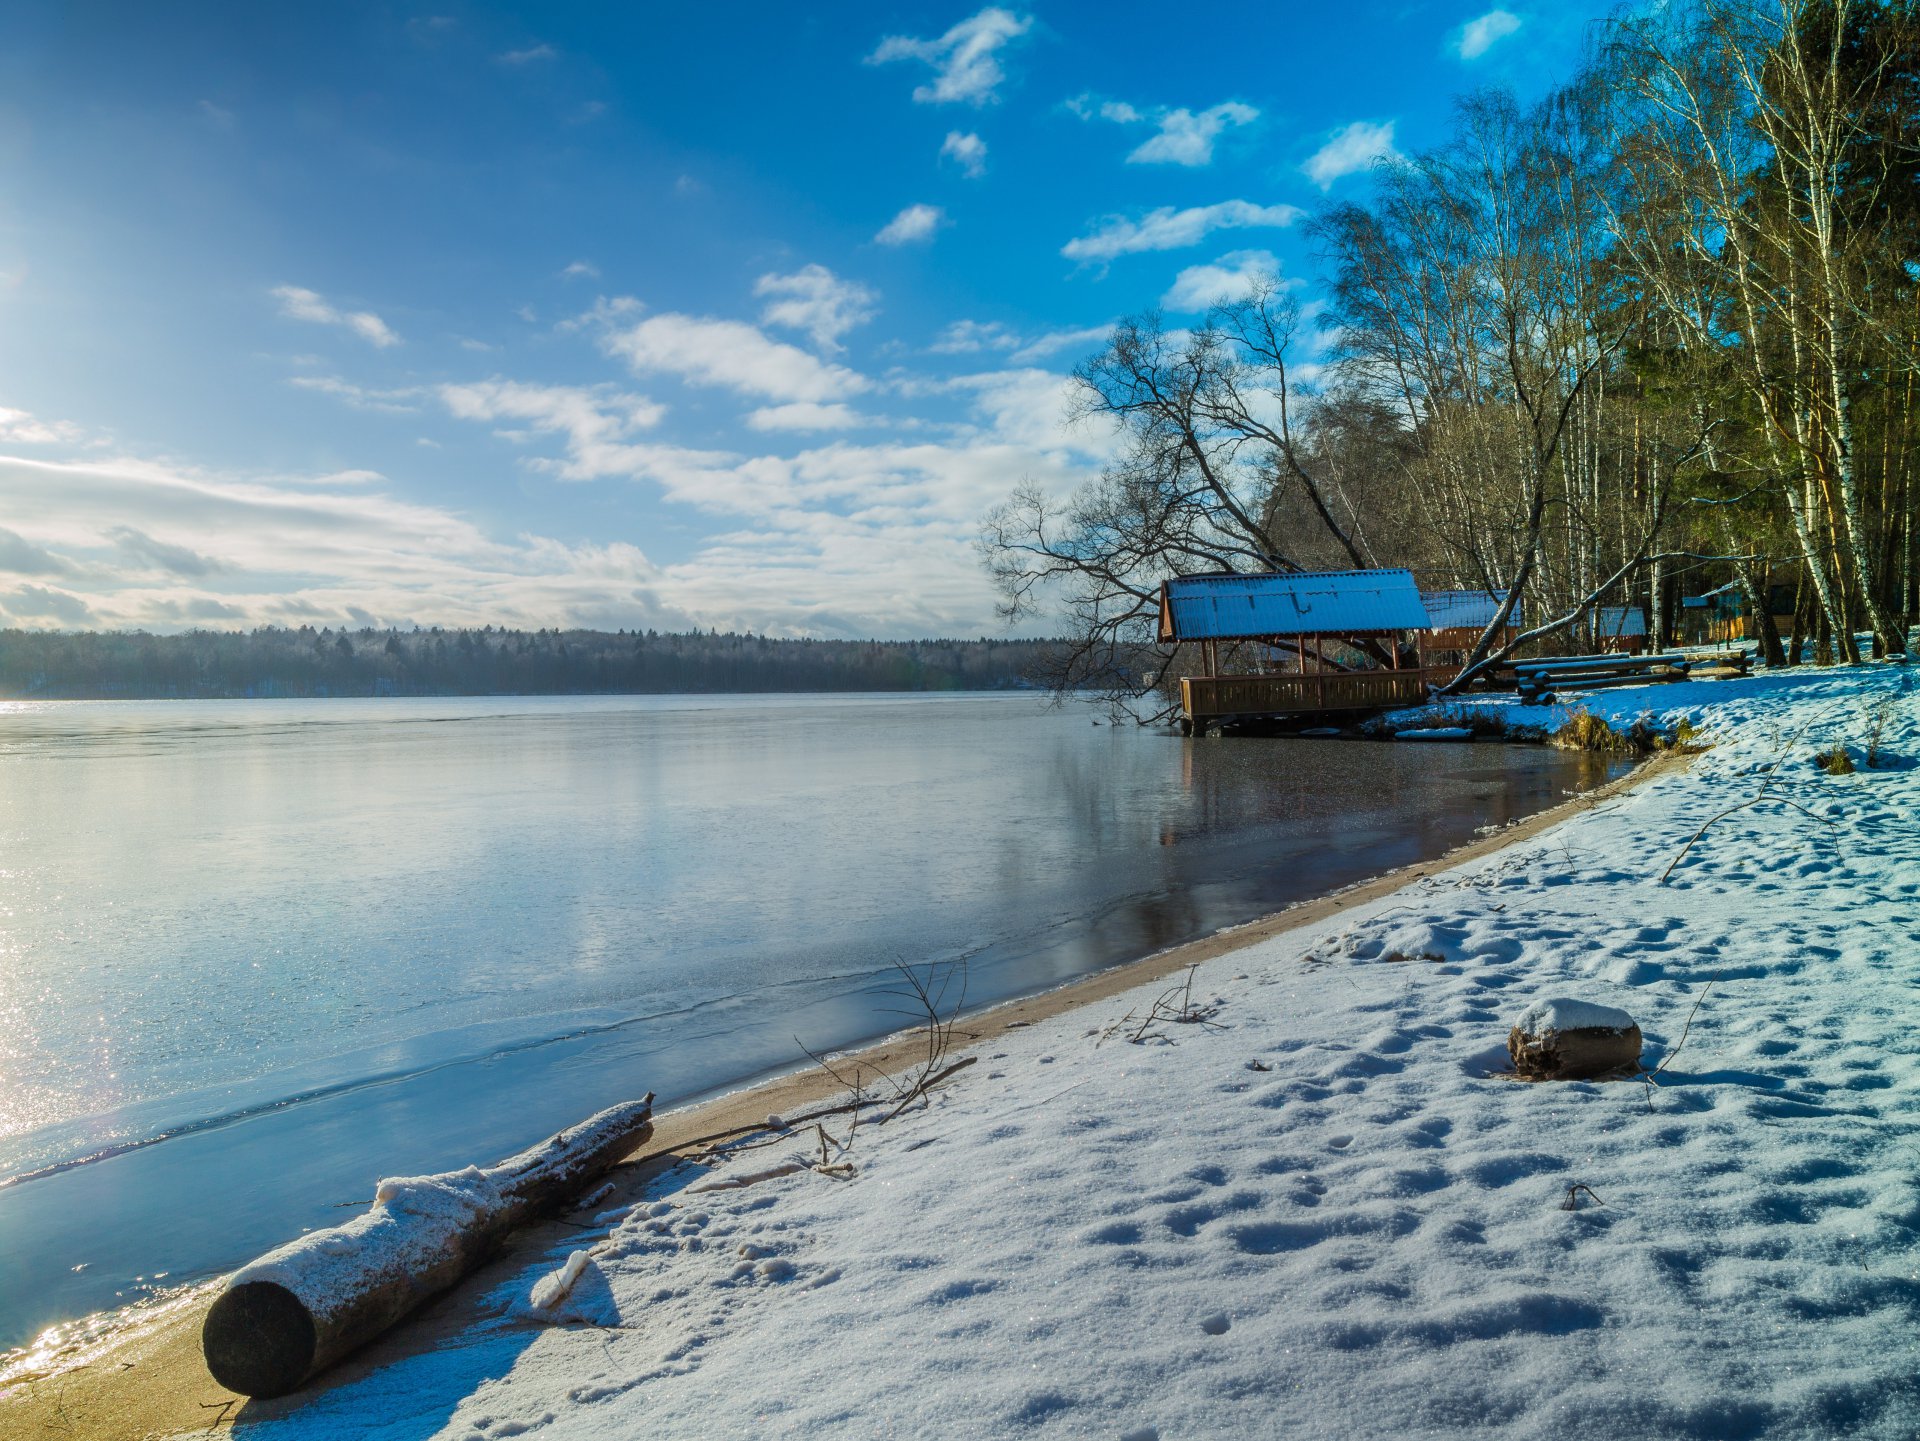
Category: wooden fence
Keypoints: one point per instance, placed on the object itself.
(1220, 697)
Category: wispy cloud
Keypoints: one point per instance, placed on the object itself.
(358, 556)
(297, 303)
(532, 55)
(581, 270)
(817, 301)
(972, 337)
(912, 225)
(402, 400)
(21, 427)
(1350, 150)
(1171, 229)
(965, 60)
(595, 421)
(730, 354)
(180, 560)
(37, 602)
(1187, 139)
(806, 415)
(1479, 36)
(1232, 277)
(20, 556)
(1184, 138)
(966, 150)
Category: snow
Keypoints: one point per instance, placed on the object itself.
(1560, 1014)
(1379, 1233)
(1436, 733)
(413, 1221)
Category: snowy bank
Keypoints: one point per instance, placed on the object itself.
(1328, 1212)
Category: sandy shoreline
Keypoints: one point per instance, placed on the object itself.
(151, 1382)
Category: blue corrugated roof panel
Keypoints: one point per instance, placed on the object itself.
(1467, 609)
(1614, 621)
(1334, 602)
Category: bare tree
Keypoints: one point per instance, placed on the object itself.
(1211, 453)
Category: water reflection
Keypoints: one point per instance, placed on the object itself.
(315, 941)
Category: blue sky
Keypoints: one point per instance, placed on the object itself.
(629, 315)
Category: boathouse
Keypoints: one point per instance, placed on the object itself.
(1320, 643)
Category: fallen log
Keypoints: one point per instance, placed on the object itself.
(300, 1308)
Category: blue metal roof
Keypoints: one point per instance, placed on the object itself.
(1620, 620)
(1466, 609)
(1332, 602)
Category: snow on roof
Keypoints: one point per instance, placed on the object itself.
(1464, 609)
(1331, 602)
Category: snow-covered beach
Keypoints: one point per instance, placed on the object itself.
(1328, 1212)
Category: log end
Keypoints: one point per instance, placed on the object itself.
(258, 1339)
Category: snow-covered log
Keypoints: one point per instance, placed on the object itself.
(300, 1308)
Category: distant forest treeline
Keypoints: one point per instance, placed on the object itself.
(309, 662)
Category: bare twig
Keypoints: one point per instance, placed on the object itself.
(1648, 1079)
(1772, 773)
(1572, 1203)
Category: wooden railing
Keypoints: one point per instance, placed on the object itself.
(1216, 697)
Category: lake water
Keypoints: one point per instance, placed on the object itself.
(255, 954)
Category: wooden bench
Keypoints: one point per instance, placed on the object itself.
(1539, 680)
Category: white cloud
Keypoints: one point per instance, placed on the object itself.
(530, 56)
(965, 62)
(806, 415)
(292, 555)
(970, 337)
(826, 537)
(1232, 277)
(300, 304)
(37, 602)
(20, 556)
(817, 301)
(1187, 139)
(581, 270)
(1477, 37)
(915, 223)
(595, 421)
(1170, 229)
(400, 401)
(20, 427)
(1350, 150)
(732, 354)
(1055, 341)
(966, 150)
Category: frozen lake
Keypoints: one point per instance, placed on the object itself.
(255, 954)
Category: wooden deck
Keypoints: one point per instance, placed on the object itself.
(1209, 700)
